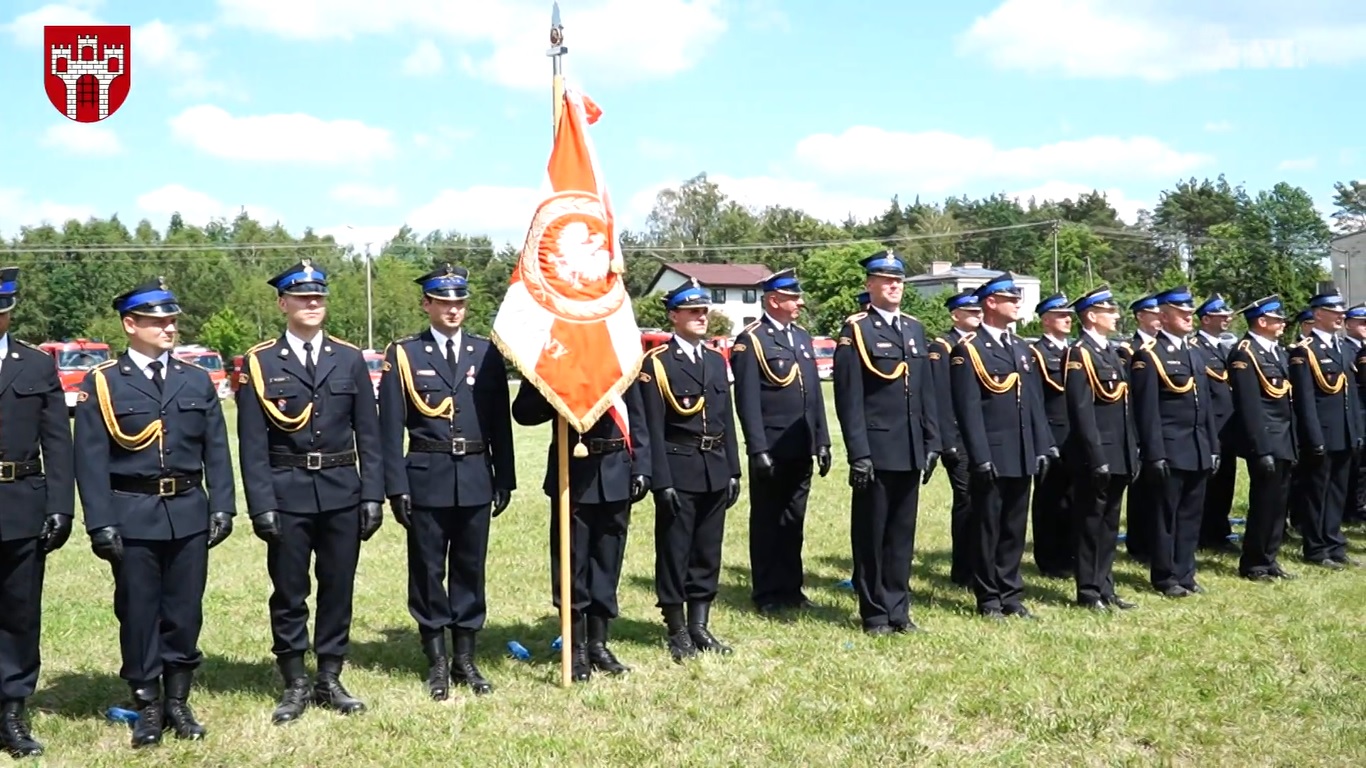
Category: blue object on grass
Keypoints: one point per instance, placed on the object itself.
(518, 651)
(557, 643)
(121, 715)
(1237, 521)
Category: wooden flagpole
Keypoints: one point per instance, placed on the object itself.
(557, 50)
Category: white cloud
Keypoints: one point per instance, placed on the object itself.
(27, 29)
(1057, 191)
(760, 192)
(1298, 164)
(936, 161)
(441, 140)
(502, 213)
(81, 138)
(178, 51)
(425, 60)
(1160, 40)
(365, 195)
(195, 207)
(282, 138)
(18, 209)
(610, 40)
(655, 149)
(1218, 126)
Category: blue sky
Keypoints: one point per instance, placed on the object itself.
(436, 113)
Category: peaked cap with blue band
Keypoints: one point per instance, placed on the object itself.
(446, 282)
(687, 295)
(1268, 306)
(9, 288)
(783, 281)
(1000, 285)
(1145, 304)
(1328, 298)
(864, 300)
(302, 279)
(1214, 306)
(1100, 297)
(1179, 296)
(964, 299)
(1055, 303)
(1305, 315)
(1357, 313)
(885, 263)
(151, 299)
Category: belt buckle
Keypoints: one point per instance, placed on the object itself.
(166, 486)
(313, 461)
(707, 442)
(8, 472)
(458, 446)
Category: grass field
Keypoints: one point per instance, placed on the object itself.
(1247, 674)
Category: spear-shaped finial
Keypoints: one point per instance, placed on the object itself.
(556, 50)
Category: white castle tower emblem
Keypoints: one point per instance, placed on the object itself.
(87, 70)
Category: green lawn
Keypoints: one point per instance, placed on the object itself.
(1247, 674)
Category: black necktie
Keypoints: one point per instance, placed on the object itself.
(308, 358)
(896, 323)
(155, 368)
(450, 360)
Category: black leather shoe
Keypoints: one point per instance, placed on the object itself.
(438, 667)
(1195, 589)
(328, 691)
(699, 615)
(1097, 605)
(1114, 601)
(681, 646)
(1331, 565)
(1259, 576)
(878, 630)
(909, 628)
(599, 655)
(15, 738)
(991, 614)
(770, 609)
(463, 669)
(1286, 575)
(1347, 561)
(580, 667)
(1176, 590)
(297, 695)
(1019, 612)
(151, 715)
(178, 713)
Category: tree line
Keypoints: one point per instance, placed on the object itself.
(1213, 235)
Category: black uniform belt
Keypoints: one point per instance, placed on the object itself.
(313, 461)
(703, 442)
(16, 470)
(457, 446)
(599, 445)
(173, 485)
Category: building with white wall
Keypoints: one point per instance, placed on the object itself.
(735, 288)
(944, 276)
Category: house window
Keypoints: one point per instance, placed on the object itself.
(751, 295)
(718, 295)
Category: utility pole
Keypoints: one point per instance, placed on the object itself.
(369, 304)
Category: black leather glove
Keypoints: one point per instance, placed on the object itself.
(666, 499)
(56, 530)
(984, 472)
(107, 543)
(931, 461)
(732, 492)
(371, 517)
(861, 474)
(1100, 475)
(501, 498)
(1266, 464)
(266, 526)
(220, 528)
(1157, 470)
(640, 485)
(761, 466)
(402, 507)
(823, 460)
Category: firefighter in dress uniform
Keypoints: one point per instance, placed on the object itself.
(696, 470)
(446, 390)
(889, 419)
(966, 314)
(1178, 441)
(1328, 414)
(1300, 470)
(781, 410)
(1102, 446)
(1263, 431)
(305, 412)
(998, 402)
(1354, 336)
(1055, 539)
(1214, 316)
(1140, 506)
(156, 483)
(37, 501)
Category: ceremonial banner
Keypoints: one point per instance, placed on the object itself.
(566, 322)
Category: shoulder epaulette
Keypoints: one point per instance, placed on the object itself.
(969, 336)
(798, 327)
(342, 342)
(1125, 345)
(912, 317)
(1149, 344)
(106, 364)
(406, 339)
(23, 343)
(260, 346)
(749, 327)
(193, 365)
(476, 336)
(655, 351)
(854, 318)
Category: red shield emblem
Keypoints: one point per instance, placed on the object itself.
(86, 70)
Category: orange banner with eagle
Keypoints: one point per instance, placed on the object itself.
(566, 322)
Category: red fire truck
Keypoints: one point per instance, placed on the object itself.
(210, 361)
(823, 347)
(74, 358)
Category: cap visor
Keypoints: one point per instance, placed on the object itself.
(156, 310)
(306, 289)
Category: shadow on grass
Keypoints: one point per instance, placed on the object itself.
(88, 693)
